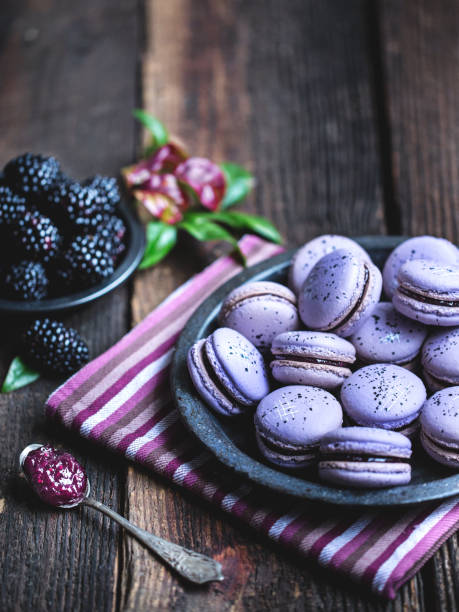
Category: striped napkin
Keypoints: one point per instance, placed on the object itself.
(122, 400)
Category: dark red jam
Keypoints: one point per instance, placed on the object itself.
(55, 476)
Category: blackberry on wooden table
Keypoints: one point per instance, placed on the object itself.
(52, 348)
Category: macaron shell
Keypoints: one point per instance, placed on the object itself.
(370, 298)
(297, 416)
(448, 457)
(383, 395)
(365, 475)
(291, 462)
(440, 357)
(430, 278)
(429, 314)
(254, 289)
(324, 376)
(434, 384)
(367, 441)
(204, 385)
(440, 417)
(320, 345)
(309, 254)
(262, 318)
(238, 364)
(388, 337)
(420, 247)
(331, 291)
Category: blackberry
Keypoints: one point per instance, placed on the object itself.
(87, 262)
(12, 206)
(32, 175)
(26, 281)
(37, 235)
(54, 349)
(109, 236)
(107, 190)
(77, 206)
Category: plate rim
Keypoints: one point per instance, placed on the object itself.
(202, 423)
(132, 257)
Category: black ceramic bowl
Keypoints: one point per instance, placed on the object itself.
(233, 441)
(135, 246)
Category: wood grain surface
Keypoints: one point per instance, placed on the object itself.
(346, 112)
(421, 63)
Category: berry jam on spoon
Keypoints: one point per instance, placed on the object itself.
(59, 480)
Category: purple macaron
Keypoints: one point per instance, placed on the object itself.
(389, 337)
(422, 247)
(260, 311)
(228, 372)
(440, 359)
(384, 395)
(339, 293)
(291, 421)
(309, 254)
(365, 457)
(428, 292)
(440, 427)
(312, 358)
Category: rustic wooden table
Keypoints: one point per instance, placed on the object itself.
(348, 114)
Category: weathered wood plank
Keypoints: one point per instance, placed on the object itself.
(68, 85)
(421, 63)
(284, 89)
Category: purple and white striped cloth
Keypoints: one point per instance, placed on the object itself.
(122, 400)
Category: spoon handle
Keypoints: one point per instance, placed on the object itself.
(191, 565)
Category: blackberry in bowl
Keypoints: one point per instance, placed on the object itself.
(63, 243)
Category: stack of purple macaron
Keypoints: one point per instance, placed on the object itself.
(325, 351)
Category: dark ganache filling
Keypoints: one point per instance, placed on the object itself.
(362, 458)
(314, 360)
(289, 452)
(214, 378)
(427, 299)
(55, 476)
(357, 305)
(440, 444)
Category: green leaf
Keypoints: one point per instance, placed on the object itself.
(239, 183)
(240, 220)
(161, 239)
(19, 375)
(203, 229)
(159, 133)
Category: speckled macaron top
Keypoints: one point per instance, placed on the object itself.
(238, 364)
(431, 279)
(255, 289)
(297, 415)
(383, 395)
(260, 310)
(440, 355)
(313, 344)
(339, 291)
(309, 254)
(420, 247)
(388, 337)
(440, 417)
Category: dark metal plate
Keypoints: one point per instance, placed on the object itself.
(233, 441)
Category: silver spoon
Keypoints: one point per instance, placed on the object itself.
(193, 566)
